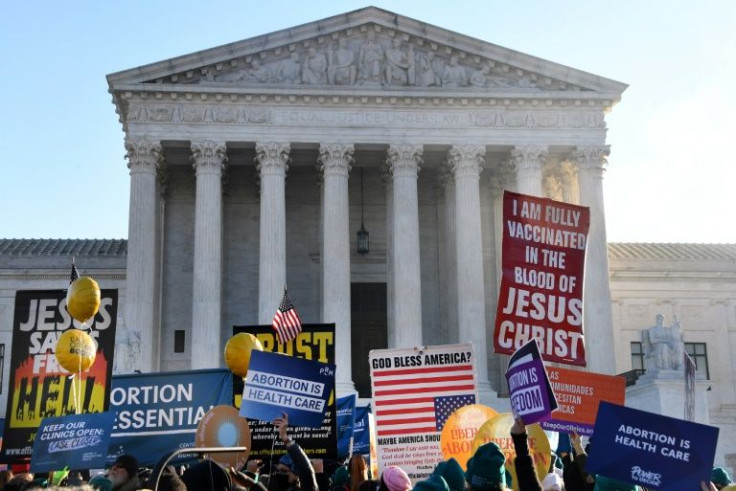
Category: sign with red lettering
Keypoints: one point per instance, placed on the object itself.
(541, 294)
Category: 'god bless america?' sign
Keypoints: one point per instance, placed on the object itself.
(278, 383)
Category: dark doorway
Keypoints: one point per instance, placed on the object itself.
(368, 309)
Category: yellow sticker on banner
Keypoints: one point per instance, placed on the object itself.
(460, 429)
(498, 430)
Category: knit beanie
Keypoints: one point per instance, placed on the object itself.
(101, 483)
(719, 475)
(486, 468)
(603, 483)
(432, 483)
(396, 479)
(452, 473)
(340, 476)
(129, 463)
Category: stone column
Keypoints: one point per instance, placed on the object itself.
(390, 325)
(209, 159)
(403, 161)
(271, 161)
(448, 264)
(597, 310)
(335, 160)
(528, 161)
(467, 163)
(144, 157)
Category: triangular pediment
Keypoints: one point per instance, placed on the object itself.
(365, 50)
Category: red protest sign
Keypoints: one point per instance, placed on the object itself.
(541, 296)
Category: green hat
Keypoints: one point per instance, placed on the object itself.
(432, 483)
(452, 473)
(719, 475)
(603, 483)
(485, 468)
(340, 476)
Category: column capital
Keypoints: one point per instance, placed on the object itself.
(466, 160)
(335, 159)
(528, 157)
(208, 157)
(272, 158)
(404, 160)
(591, 158)
(144, 156)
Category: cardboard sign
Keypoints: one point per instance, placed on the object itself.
(277, 383)
(650, 450)
(39, 388)
(530, 392)
(414, 392)
(578, 395)
(541, 294)
(460, 430)
(77, 441)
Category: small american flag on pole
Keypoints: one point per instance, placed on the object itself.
(286, 322)
(75, 273)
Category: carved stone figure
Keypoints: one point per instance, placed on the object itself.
(479, 78)
(426, 75)
(370, 58)
(454, 74)
(290, 70)
(399, 65)
(663, 345)
(342, 70)
(314, 69)
(258, 73)
(127, 349)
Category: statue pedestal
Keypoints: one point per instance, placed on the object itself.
(663, 392)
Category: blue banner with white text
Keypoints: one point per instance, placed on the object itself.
(361, 431)
(159, 412)
(345, 425)
(650, 450)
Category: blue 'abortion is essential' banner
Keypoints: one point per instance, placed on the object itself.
(650, 450)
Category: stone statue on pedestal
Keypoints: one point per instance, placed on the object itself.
(663, 345)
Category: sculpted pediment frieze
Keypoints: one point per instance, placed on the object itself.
(371, 57)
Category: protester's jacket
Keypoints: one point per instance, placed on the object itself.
(304, 469)
(129, 485)
(525, 473)
(571, 475)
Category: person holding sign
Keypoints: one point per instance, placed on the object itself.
(524, 464)
(294, 472)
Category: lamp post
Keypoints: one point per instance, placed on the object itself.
(362, 232)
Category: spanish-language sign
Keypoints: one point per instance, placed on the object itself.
(650, 450)
(315, 342)
(414, 392)
(159, 412)
(76, 441)
(460, 429)
(541, 295)
(278, 383)
(578, 395)
(345, 425)
(498, 430)
(530, 392)
(39, 387)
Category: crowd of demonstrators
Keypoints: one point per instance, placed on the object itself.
(485, 471)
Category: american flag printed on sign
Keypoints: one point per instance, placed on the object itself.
(419, 399)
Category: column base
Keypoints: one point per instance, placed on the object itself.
(345, 388)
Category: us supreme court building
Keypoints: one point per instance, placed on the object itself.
(261, 163)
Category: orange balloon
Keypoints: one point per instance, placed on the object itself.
(238, 350)
(83, 298)
(498, 430)
(460, 429)
(76, 350)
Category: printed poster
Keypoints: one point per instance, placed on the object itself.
(414, 392)
(277, 384)
(77, 441)
(345, 425)
(530, 392)
(39, 387)
(159, 412)
(541, 294)
(650, 450)
(578, 395)
(315, 342)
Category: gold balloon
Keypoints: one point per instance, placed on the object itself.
(498, 430)
(76, 350)
(456, 439)
(83, 298)
(237, 352)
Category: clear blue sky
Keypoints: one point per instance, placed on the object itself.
(671, 171)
